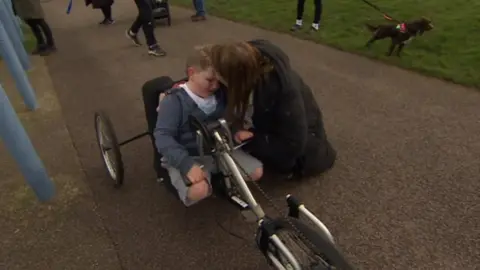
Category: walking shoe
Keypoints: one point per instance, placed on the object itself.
(44, 50)
(133, 37)
(197, 18)
(314, 27)
(156, 51)
(296, 27)
(107, 21)
(51, 48)
(39, 49)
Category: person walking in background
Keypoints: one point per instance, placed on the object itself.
(144, 20)
(31, 12)
(317, 15)
(106, 7)
(200, 14)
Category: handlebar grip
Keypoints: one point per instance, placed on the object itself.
(293, 201)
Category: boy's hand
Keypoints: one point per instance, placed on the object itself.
(196, 174)
(242, 135)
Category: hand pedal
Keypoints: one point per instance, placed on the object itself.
(245, 210)
(239, 202)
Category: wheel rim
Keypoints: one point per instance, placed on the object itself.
(106, 148)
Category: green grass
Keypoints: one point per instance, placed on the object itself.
(451, 51)
(29, 41)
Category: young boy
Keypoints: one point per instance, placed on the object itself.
(199, 96)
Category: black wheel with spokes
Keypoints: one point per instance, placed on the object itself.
(311, 249)
(109, 148)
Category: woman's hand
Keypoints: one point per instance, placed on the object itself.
(242, 135)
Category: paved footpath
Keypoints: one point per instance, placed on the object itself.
(404, 192)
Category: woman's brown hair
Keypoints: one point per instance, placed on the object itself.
(240, 66)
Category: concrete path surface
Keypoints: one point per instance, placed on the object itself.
(67, 232)
(403, 194)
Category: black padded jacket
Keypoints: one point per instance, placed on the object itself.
(289, 134)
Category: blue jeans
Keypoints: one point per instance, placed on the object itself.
(199, 6)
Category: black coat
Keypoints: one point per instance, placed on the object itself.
(28, 9)
(289, 134)
(99, 3)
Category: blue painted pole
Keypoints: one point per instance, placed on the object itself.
(18, 143)
(11, 16)
(17, 20)
(8, 22)
(13, 63)
(19, 26)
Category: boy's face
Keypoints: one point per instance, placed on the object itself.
(205, 81)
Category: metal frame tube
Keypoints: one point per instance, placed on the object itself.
(279, 244)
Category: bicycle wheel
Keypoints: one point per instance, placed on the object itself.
(312, 250)
(109, 148)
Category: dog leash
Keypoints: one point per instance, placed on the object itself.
(385, 15)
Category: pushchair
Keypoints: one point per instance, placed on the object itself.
(161, 11)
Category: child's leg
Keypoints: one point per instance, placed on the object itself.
(252, 166)
(196, 192)
(189, 195)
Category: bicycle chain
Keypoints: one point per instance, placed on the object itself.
(275, 207)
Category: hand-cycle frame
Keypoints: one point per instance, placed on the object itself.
(215, 139)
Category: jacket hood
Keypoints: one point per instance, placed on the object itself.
(274, 53)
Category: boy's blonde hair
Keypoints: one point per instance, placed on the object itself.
(200, 58)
